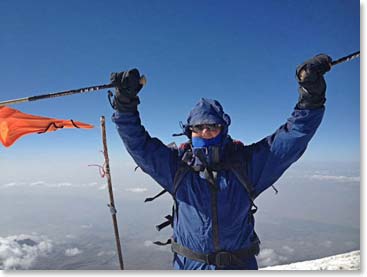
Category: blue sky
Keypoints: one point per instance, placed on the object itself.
(242, 53)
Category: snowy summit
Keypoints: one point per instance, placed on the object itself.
(346, 261)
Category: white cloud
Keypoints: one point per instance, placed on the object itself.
(86, 226)
(41, 184)
(269, 257)
(60, 185)
(103, 187)
(8, 185)
(137, 190)
(148, 243)
(93, 184)
(21, 251)
(305, 243)
(71, 252)
(327, 243)
(106, 253)
(336, 178)
(37, 183)
(288, 249)
(351, 244)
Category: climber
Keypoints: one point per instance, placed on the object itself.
(214, 179)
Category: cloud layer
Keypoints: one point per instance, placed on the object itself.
(43, 184)
(269, 257)
(21, 251)
(70, 252)
(336, 178)
(136, 190)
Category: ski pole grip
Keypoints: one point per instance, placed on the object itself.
(143, 80)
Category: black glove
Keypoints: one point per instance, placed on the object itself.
(127, 86)
(312, 83)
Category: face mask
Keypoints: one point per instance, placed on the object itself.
(201, 142)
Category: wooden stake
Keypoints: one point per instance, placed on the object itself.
(109, 183)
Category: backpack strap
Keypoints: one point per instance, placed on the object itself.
(181, 172)
(155, 196)
(238, 167)
(242, 177)
(221, 259)
(171, 145)
(236, 163)
(159, 243)
(166, 223)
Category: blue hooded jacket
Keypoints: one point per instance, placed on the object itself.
(266, 162)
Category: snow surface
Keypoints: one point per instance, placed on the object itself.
(346, 261)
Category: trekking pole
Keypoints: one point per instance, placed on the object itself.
(112, 202)
(142, 81)
(346, 58)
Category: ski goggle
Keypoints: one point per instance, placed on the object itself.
(210, 127)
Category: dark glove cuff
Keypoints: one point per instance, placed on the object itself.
(312, 93)
(308, 100)
(126, 104)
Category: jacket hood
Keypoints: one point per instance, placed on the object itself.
(207, 111)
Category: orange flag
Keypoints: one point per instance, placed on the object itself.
(15, 124)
